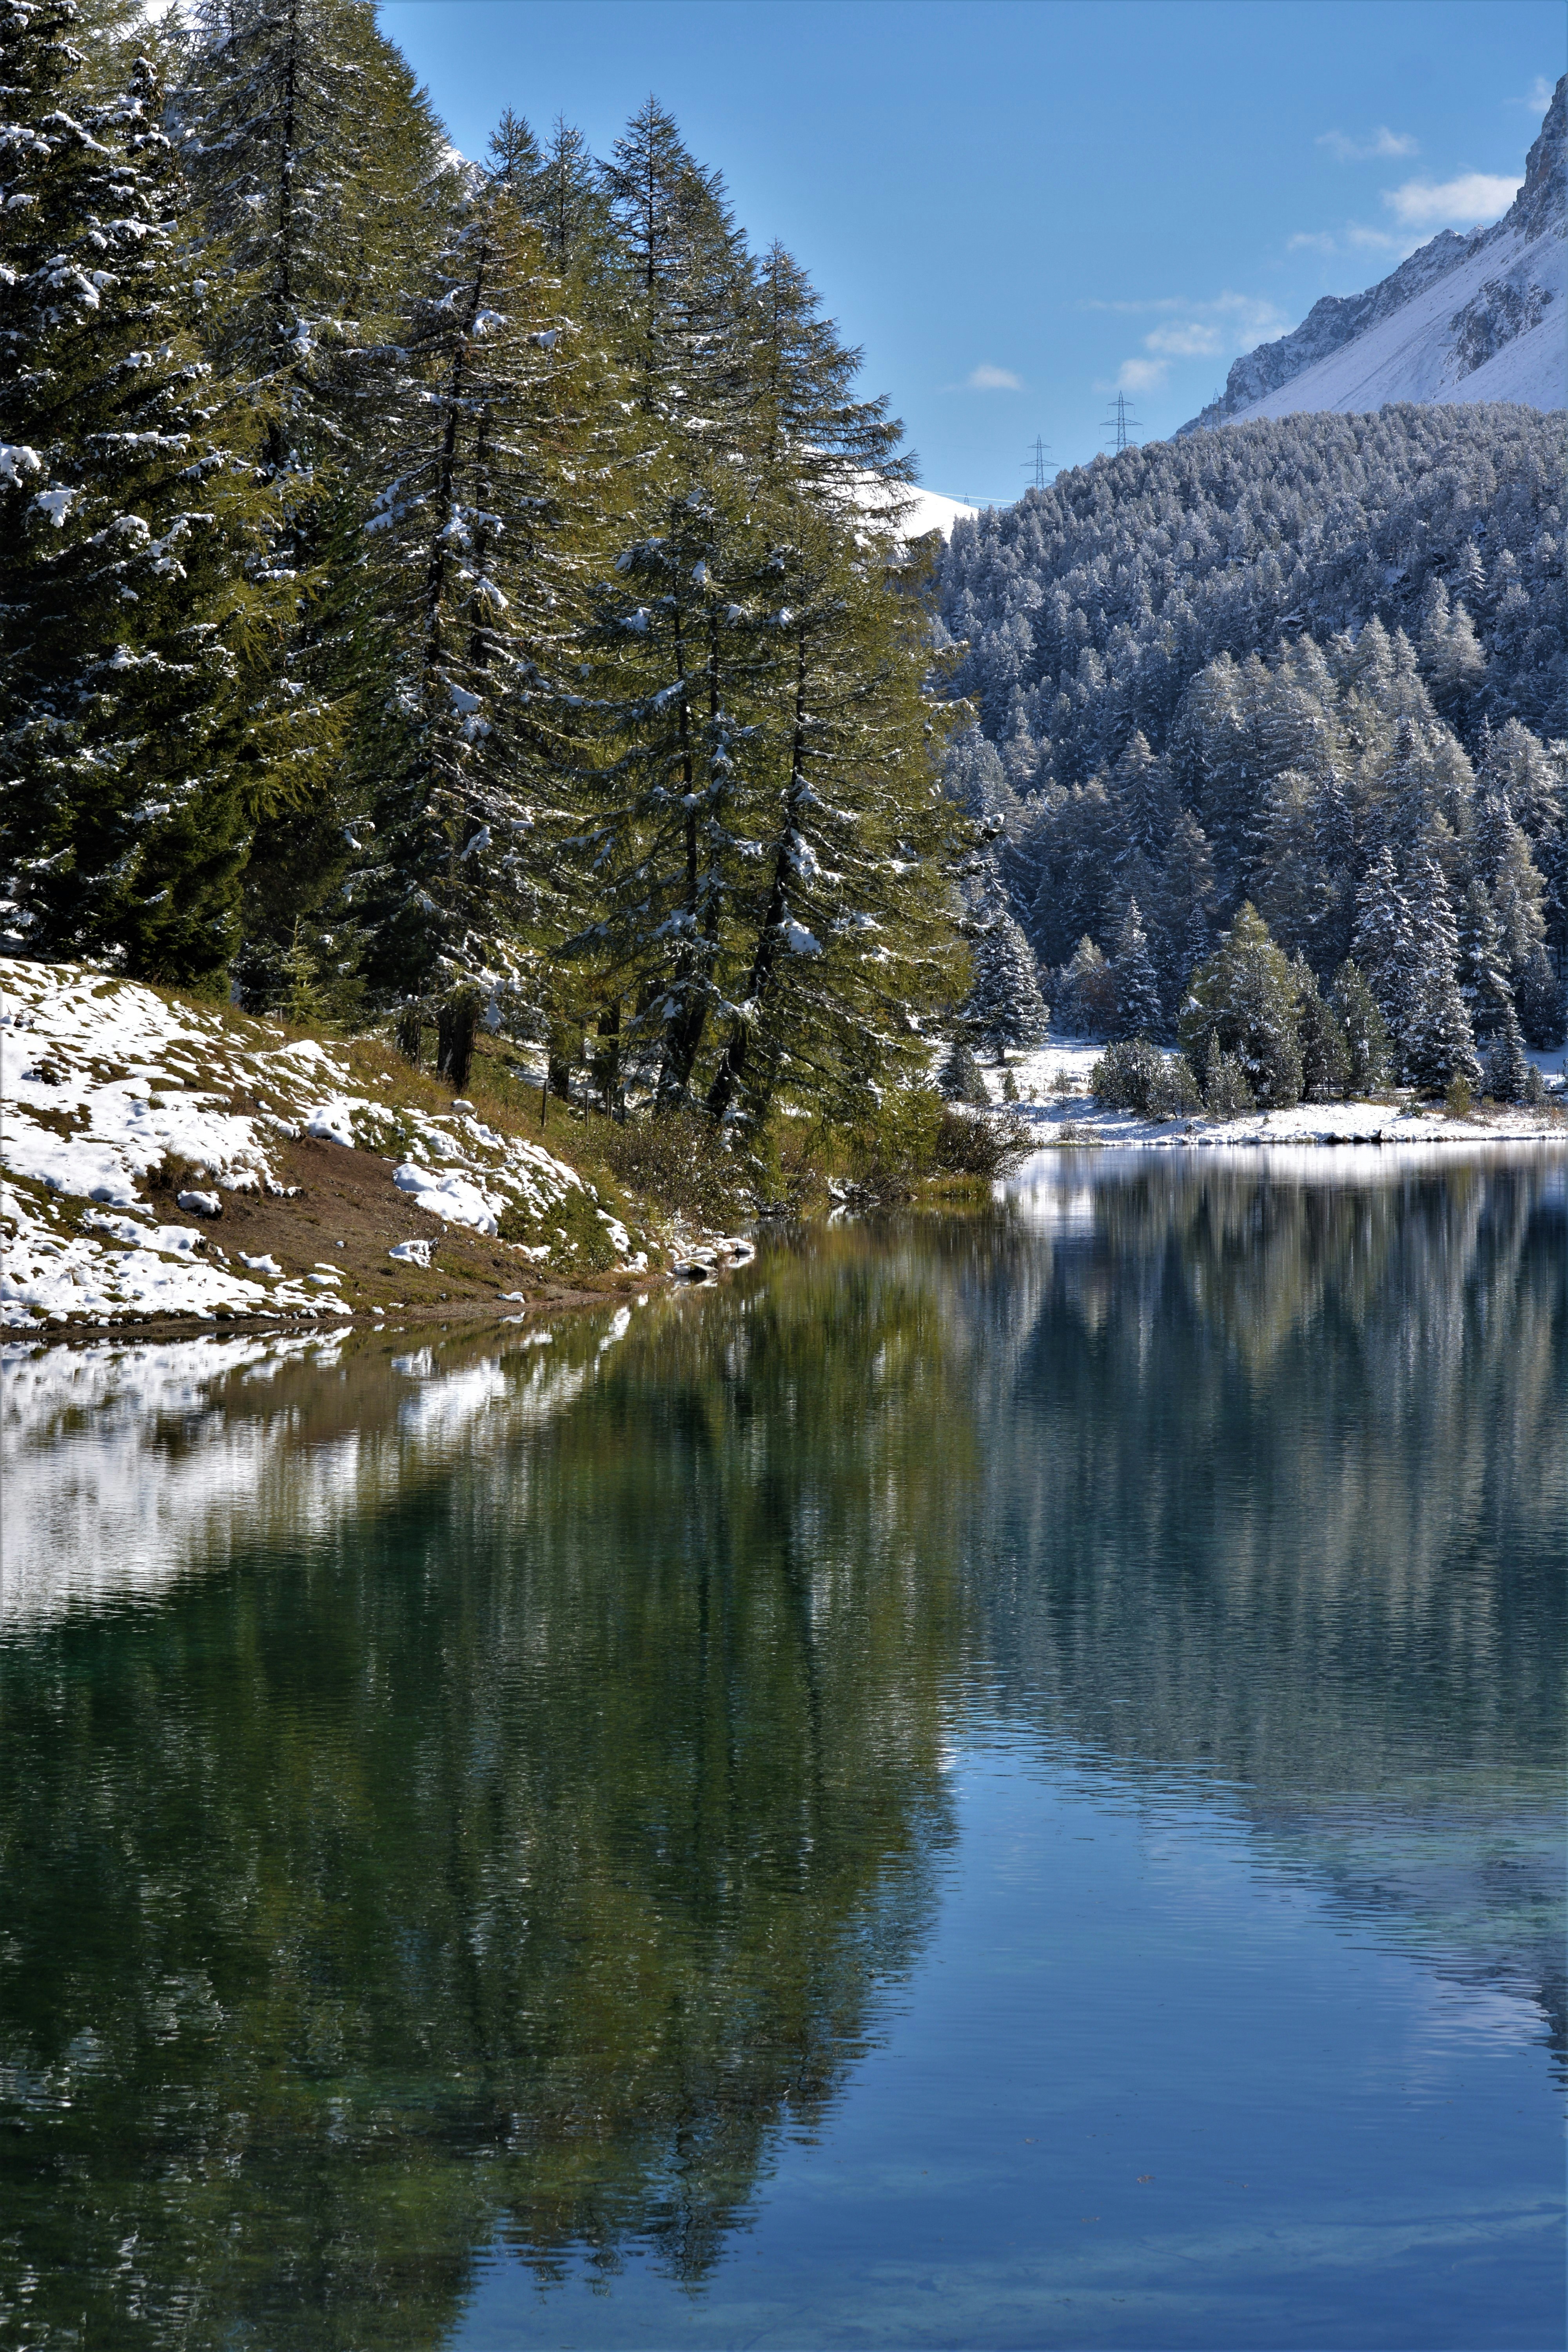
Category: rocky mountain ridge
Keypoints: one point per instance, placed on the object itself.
(1464, 318)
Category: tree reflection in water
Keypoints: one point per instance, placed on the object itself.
(514, 1849)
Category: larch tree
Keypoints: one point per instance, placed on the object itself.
(843, 924)
(1243, 1001)
(1383, 944)
(1365, 1030)
(323, 184)
(1483, 966)
(678, 639)
(1508, 1066)
(133, 760)
(469, 605)
(1326, 1059)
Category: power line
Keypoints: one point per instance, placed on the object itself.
(1121, 425)
(1038, 460)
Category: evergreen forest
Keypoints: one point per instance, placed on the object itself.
(1277, 712)
(471, 595)
(466, 594)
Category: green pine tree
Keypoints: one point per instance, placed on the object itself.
(1245, 997)
(1366, 1031)
(1325, 1053)
(322, 183)
(470, 604)
(1139, 1010)
(134, 757)
(844, 927)
(1509, 1066)
(1483, 973)
(1439, 1044)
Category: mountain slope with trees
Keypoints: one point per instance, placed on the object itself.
(1313, 668)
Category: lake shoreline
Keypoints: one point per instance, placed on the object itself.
(1053, 1098)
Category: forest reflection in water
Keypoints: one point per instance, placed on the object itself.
(511, 1791)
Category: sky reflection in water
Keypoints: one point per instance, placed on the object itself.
(995, 1781)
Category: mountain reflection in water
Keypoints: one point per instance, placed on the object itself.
(493, 1795)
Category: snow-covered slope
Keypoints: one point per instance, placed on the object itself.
(1465, 319)
(110, 1096)
(931, 511)
(922, 510)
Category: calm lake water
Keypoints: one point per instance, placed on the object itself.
(994, 1781)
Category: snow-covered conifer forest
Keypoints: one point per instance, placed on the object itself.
(1313, 665)
(454, 592)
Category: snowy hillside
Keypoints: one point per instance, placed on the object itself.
(1479, 318)
(162, 1159)
(931, 511)
(922, 510)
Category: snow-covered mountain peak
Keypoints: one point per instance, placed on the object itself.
(1482, 316)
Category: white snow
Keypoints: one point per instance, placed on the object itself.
(1410, 354)
(1074, 1115)
(102, 1083)
(923, 510)
(931, 511)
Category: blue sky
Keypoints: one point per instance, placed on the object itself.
(1017, 205)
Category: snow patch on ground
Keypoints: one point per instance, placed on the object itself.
(102, 1083)
(1072, 1114)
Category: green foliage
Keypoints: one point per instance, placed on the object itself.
(482, 590)
(589, 1249)
(1138, 1011)
(1325, 1052)
(960, 1077)
(1367, 1046)
(128, 542)
(912, 1135)
(1226, 1093)
(1004, 1007)
(1244, 998)
(679, 1161)
(1174, 1092)
(1440, 1043)
(1124, 1073)
(1133, 1075)
(302, 1004)
(1509, 1068)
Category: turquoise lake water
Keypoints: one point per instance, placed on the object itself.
(993, 1780)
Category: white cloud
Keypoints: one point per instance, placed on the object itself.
(1192, 330)
(1537, 98)
(1185, 339)
(986, 378)
(1141, 375)
(1381, 142)
(1355, 237)
(1452, 203)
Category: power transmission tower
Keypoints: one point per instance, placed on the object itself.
(1039, 458)
(1122, 425)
